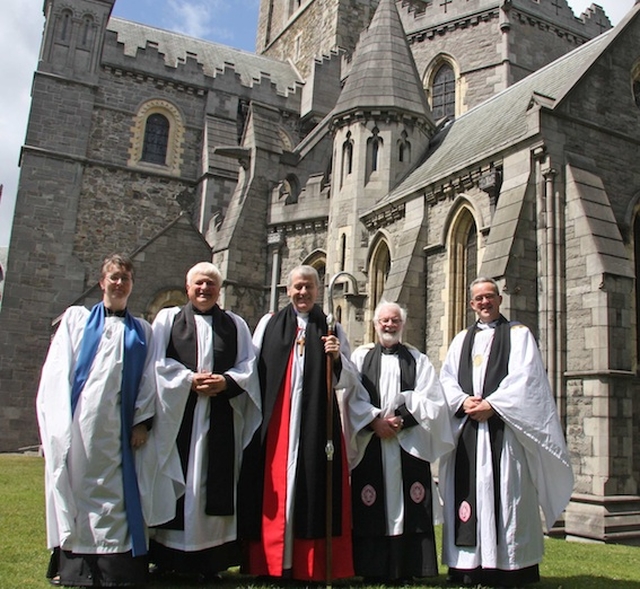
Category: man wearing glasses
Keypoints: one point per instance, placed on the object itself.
(511, 458)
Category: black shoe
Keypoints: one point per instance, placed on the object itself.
(208, 578)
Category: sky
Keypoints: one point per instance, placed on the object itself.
(221, 21)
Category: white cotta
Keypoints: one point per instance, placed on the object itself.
(428, 440)
(201, 531)
(535, 471)
(83, 459)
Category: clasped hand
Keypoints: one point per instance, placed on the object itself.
(478, 409)
(208, 384)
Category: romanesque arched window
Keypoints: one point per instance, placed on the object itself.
(64, 25)
(157, 137)
(290, 189)
(87, 33)
(463, 268)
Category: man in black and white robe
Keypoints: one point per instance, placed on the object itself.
(511, 458)
(208, 410)
(406, 427)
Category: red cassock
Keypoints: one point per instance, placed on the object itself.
(266, 557)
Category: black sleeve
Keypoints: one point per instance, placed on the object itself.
(408, 420)
(233, 388)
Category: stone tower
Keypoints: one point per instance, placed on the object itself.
(381, 127)
(51, 165)
(303, 30)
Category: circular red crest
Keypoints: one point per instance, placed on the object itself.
(368, 495)
(417, 492)
(464, 512)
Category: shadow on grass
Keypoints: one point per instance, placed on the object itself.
(584, 582)
(232, 580)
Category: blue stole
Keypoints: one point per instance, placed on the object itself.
(135, 352)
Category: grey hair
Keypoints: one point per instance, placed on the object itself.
(383, 303)
(482, 280)
(305, 271)
(206, 268)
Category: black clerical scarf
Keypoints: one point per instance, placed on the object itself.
(367, 479)
(183, 347)
(465, 466)
(310, 493)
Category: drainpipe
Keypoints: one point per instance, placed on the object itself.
(274, 242)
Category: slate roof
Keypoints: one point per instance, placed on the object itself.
(383, 73)
(500, 121)
(211, 56)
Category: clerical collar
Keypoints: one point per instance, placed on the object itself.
(112, 313)
(199, 312)
(490, 325)
(390, 350)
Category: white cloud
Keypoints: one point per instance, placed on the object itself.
(197, 18)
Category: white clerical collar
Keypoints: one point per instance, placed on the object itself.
(490, 325)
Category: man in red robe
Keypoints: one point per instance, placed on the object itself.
(286, 523)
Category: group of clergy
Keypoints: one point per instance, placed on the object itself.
(195, 446)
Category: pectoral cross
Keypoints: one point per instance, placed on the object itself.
(300, 341)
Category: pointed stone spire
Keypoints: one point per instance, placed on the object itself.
(383, 74)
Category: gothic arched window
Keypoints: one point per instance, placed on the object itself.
(443, 93)
(636, 252)
(404, 149)
(374, 143)
(347, 158)
(379, 268)
(463, 268)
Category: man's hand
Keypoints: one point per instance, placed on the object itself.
(208, 384)
(331, 346)
(386, 427)
(478, 409)
(139, 435)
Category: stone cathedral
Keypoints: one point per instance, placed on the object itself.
(411, 143)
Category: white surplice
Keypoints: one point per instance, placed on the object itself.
(535, 469)
(83, 459)
(428, 440)
(201, 531)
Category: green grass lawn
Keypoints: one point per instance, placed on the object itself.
(24, 557)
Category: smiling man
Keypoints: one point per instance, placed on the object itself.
(285, 484)
(511, 458)
(209, 409)
(407, 428)
(95, 404)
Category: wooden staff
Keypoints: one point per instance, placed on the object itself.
(329, 447)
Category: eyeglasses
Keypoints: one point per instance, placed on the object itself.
(115, 278)
(489, 297)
